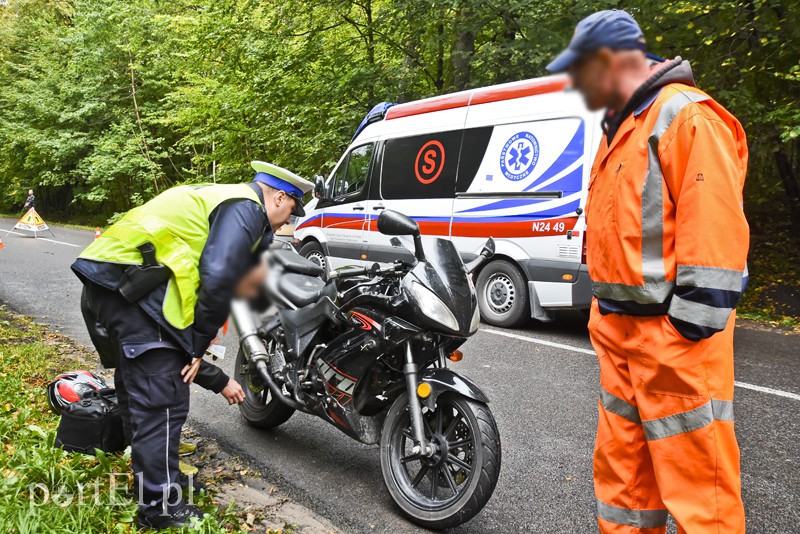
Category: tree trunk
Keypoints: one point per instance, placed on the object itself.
(789, 180)
(463, 50)
(370, 38)
(439, 83)
(503, 70)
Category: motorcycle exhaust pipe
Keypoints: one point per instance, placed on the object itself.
(245, 324)
(255, 351)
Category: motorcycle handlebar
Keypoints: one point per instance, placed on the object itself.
(362, 271)
(339, 275)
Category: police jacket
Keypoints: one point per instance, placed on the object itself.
(238, 232)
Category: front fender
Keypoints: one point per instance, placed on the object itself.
(447, 381)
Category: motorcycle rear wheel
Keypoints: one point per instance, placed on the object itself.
(259, 408)
(450, 488)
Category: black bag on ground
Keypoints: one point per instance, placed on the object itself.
(94, 422)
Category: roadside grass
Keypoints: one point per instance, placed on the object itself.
(45, 489)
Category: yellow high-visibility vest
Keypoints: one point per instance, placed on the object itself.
(176, 223)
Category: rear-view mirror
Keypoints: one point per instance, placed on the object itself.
(319, 187)
(395, 223)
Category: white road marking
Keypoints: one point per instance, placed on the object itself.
(43, 239)
(538, 341)
(744, 385)
(771, 391)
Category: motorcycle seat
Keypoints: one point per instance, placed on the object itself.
(295, 263)
(302, 290)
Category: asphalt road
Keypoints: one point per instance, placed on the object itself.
(542, 382)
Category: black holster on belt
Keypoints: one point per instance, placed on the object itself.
(139, 280)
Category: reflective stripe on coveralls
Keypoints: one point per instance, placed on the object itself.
(634, 518)
(672, 425)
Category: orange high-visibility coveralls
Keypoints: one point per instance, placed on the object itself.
(667, 243)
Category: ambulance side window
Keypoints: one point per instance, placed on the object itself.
(421, 166)
(338, 178)
(352, 174)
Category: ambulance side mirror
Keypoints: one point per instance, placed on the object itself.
(319, 188)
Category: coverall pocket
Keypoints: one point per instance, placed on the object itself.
(671, 364)
(598, 338)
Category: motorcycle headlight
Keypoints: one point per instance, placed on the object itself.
(432, 306)
(476, 320)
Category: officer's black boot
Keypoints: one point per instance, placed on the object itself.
(179, 518)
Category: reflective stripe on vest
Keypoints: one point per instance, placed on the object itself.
(634, 518)
(656, 288)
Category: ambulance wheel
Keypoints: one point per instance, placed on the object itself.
(313, 251)
(503, 295)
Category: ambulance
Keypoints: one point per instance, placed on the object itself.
(510, 161)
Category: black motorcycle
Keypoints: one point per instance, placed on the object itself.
(367, 350)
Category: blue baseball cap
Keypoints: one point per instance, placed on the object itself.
(612, 28)
(283, 180)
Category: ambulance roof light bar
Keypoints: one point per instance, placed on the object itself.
(377, 113)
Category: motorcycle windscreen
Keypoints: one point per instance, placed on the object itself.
(443, 273)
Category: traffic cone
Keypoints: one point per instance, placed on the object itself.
(1, 243)
(97, 233)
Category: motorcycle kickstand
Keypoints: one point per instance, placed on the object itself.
(423, 447)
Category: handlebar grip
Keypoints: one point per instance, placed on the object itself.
(349, 273)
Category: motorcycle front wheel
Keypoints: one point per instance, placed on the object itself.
(456, 483)
(259, 408)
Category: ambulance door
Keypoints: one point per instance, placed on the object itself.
(345, 211)
(417, 178)
(524, 187)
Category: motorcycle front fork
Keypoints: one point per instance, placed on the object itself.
(423, 447)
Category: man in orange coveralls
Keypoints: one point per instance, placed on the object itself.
(667, 244)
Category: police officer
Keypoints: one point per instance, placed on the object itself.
(160, 282)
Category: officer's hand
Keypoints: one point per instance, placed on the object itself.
(233, 392)
(190, 371)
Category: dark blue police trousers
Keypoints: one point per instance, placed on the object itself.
(153, 399)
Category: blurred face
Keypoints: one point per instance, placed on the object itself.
(30, 191)
(249, 285)
(279, 209)
(593, 75)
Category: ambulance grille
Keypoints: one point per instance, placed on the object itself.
(569, 251)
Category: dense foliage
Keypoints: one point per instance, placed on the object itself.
(105, 102)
